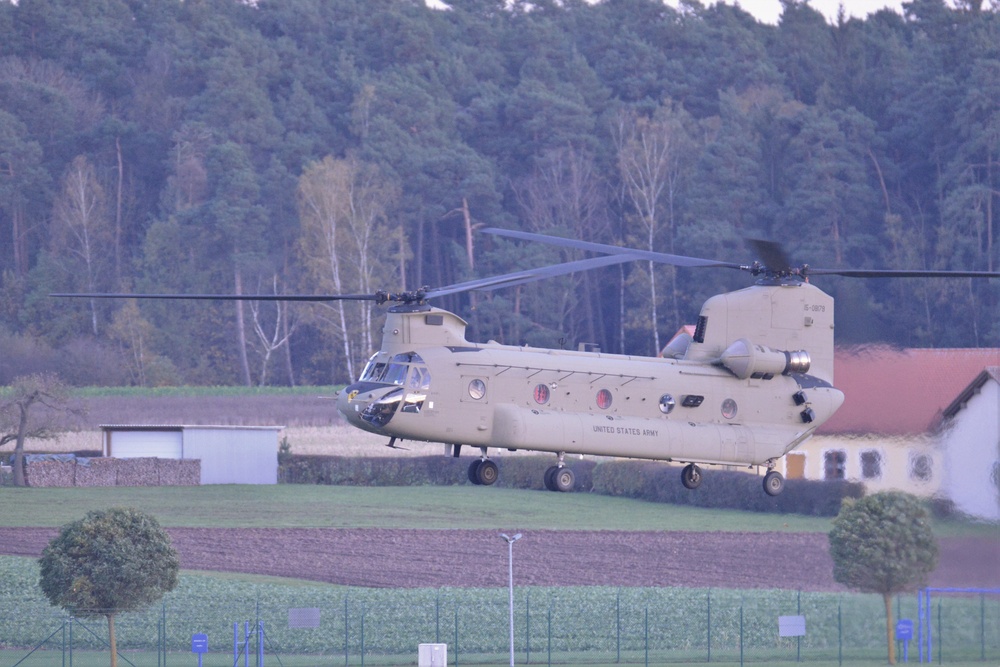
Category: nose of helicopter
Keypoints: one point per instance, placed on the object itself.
(356, 400)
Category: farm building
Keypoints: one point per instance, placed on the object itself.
(228, 454)
(923, 421)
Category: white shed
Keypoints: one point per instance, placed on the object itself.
(228, 454)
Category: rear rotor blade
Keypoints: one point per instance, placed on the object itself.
(634, 254)
(531, 275)
(900, 273)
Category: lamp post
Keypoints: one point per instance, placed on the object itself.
(510, 570)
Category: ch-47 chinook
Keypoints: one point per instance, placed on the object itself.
(753, 382)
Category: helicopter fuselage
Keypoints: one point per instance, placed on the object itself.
(725, 398)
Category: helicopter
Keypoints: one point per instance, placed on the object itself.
(751, 383)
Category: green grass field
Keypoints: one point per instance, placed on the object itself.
(451, 507)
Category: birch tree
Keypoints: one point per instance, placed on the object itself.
(82, 229)
(650, 158)
(343, 206)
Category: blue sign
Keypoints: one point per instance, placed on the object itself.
(199, 643)
(904, 630)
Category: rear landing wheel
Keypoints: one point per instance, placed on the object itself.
(474, 471)
(691, 476)
(488, 472)
(773, 483)
(550, 474)
(563, 480)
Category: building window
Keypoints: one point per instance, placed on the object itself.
(871, 464)
(834, 464)
(921, 467)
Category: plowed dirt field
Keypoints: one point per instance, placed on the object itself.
(476, 558)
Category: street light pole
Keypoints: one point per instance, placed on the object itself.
(510, 571)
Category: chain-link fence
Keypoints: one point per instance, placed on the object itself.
(592, 626)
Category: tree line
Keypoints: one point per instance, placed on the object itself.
(292, 146)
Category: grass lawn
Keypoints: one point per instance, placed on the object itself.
(447, 507)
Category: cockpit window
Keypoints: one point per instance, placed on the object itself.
(394, 373)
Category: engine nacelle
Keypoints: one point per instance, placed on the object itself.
(747, 360)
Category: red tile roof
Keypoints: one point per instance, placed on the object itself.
(890, 391)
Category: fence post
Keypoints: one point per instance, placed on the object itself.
(527, 628)
(840, 635)
(347, 637)
(982, 627)
(456, 633)
(71, 621)
(940, 631)
(618, 626)
(709, 638)
(550, 634)
(798, 640)
(741, 634)
(645, 633)
(437, 618)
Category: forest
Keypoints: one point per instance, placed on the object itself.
(337, 146)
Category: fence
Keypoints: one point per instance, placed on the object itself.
(579, 626)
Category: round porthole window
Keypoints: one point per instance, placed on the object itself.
(729, 408)
(542, 394)
(667, 403)
(477, 389)
(604, 399)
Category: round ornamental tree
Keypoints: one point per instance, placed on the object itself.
(883, 543)
(109, 562)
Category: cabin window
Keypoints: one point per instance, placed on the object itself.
(604, 399)
(542, 394)
(871, 464)
(477, 389)
(921, 467)
(667, 403)
(835, 464)
(729, 408)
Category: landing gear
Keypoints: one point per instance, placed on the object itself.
(483, 471)
(773, 483)
(691, 476)
(559, 477)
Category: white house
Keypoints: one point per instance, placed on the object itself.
(970, 447)
(228, 454)
(918, 420)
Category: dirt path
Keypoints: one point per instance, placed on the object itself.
(435, 558)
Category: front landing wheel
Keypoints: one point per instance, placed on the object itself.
(691, 476)
(773, 483)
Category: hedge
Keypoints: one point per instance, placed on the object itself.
(642, 480)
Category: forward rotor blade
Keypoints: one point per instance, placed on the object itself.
(228, 297)
(635, 254)
(900, 273)
(531, 275)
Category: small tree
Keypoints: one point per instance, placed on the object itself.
(17, 421)
(108, 562)
(883, 543)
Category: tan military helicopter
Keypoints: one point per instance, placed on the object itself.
(754, 381)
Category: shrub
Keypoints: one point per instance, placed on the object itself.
(644, 480)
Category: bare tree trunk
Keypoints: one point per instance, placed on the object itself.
(22, 429)
(118, 213)
(288, 352)
(241, 334)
